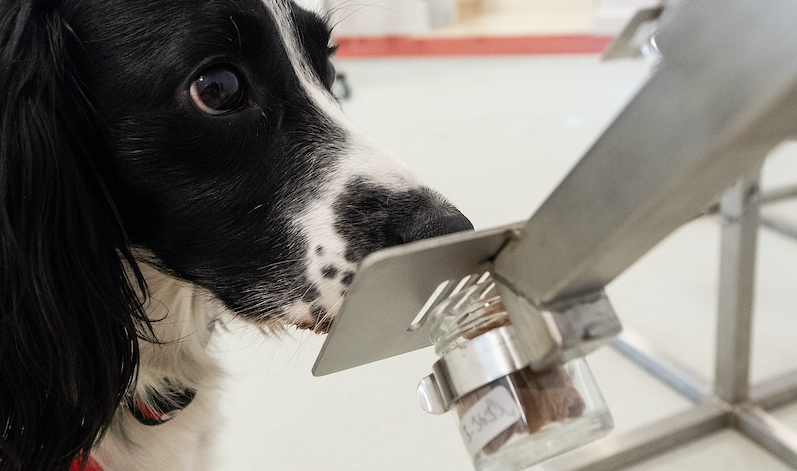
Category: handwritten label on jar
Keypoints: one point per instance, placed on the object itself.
(491, 415)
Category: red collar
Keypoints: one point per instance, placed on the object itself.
(91, 465)
(162, 407)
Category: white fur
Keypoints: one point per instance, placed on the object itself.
(362, 157)
(184, 317)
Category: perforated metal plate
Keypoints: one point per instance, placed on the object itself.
(389, 290)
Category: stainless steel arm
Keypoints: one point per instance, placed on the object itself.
(724, 95)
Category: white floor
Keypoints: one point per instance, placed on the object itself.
(496, 135)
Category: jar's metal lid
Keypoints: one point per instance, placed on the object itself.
(472, 365)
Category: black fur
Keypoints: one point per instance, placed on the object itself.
(98, 136)
(103, 152)
(69, 309)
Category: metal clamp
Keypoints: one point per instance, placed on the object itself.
(563, 330)
(536, 338)
(468, 367)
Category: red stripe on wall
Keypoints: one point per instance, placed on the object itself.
(471, 46)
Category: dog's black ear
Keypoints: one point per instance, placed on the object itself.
(70, 293)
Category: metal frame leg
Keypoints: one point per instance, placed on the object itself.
(739, 211)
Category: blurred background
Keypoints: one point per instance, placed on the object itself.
(492, 102)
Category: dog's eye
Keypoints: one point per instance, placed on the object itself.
(217, 90)
(330, 72)
(329, 78)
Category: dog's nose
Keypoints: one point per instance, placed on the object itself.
(432, 222)
(371, 217)
(421, 213)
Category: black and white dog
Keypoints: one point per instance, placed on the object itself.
(164, 163)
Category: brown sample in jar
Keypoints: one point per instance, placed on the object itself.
(547, 396)
(544, 396)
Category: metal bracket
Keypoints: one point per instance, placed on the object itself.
(636, 35)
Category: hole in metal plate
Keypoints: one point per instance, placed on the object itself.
(445, 290)
(421, 317)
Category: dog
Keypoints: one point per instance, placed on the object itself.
(164, 165)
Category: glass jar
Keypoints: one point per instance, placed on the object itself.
(520, 418)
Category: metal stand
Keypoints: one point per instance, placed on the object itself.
(724, 95)
(733, 402)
